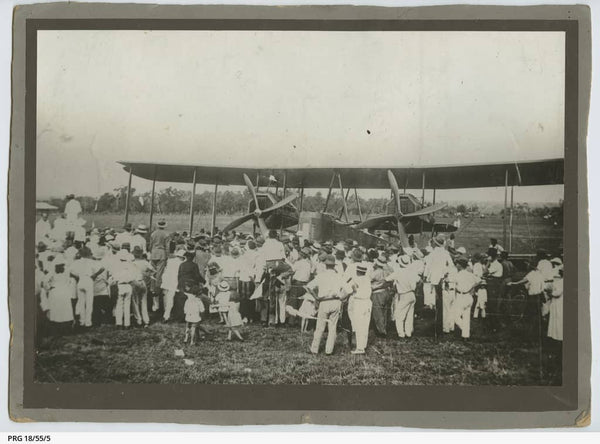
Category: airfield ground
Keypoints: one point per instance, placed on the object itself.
(271, 355)
(507, 356)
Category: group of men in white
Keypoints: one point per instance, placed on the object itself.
(293, 280)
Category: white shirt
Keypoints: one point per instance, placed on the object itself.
(535, 282)
(478, 269)
(545, 267)
(329, 284)
(123, 238)
(247, 265)
(495, 269)
(42, 229)
(437, 264)
(72, 209)
(405, 280)
(137, 240)
(302, 269)
(84, 267)
(465, 281)
(363, 287)
(272, 250)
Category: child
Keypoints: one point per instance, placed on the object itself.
(479, 270)
(193, 308)
(229, 310)
(307, 310)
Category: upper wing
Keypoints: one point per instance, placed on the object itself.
(539, 172)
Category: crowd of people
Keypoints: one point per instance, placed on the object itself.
(130, 277)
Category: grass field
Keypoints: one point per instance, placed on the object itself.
(280, 356)
(528, 234)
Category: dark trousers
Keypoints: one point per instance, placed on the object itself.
(247, 307)
(439, 309)
(381, 309)
(102, 311)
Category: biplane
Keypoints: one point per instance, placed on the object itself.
(406, 214)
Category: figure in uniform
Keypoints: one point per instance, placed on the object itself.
(329, 289)
(359, 308)
(405, 282)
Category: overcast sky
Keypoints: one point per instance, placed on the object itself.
(294, 99)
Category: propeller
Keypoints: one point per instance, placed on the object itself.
(259, 214)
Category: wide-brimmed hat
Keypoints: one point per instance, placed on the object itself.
(329, 260)
(143, 229)
(462, 261)
(224, 286)
(180, 253)
(557, 261)
(125, 246)
(404, 260)
(99, 253)
(380, 261)
(162, 223)
(439, 240)
(461, 250)
(361, 269)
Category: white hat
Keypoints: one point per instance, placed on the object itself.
(180, 253)
(223, 285)
(404, 260)
(461, 250)
(557, 261)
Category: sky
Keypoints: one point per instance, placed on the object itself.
(295, 99)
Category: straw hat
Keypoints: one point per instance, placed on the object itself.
(224, 286)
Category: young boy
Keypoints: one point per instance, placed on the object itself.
(193, 309)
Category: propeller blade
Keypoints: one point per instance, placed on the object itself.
(428, 210)
(376, 221)
(280, 204)
(402, 233)
(239, 221)
(251, 189)
(263, 227)
(395, 190)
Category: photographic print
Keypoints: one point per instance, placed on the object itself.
(300, 207)
(336, 215)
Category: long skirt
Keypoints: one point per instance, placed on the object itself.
(555, 322)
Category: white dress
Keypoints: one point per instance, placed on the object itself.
(555, 322)
(60, 291)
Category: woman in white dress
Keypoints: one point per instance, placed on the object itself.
(555, 322)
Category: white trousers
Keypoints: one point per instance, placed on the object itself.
(169, 298)
(359, 312)
(140, 303)
(328, 311)
(462, 313)
(481, 301)
(448, 297)
(123, 308)
(404, 313)
(85, 300)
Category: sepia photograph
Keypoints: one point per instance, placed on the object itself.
(299, 207)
